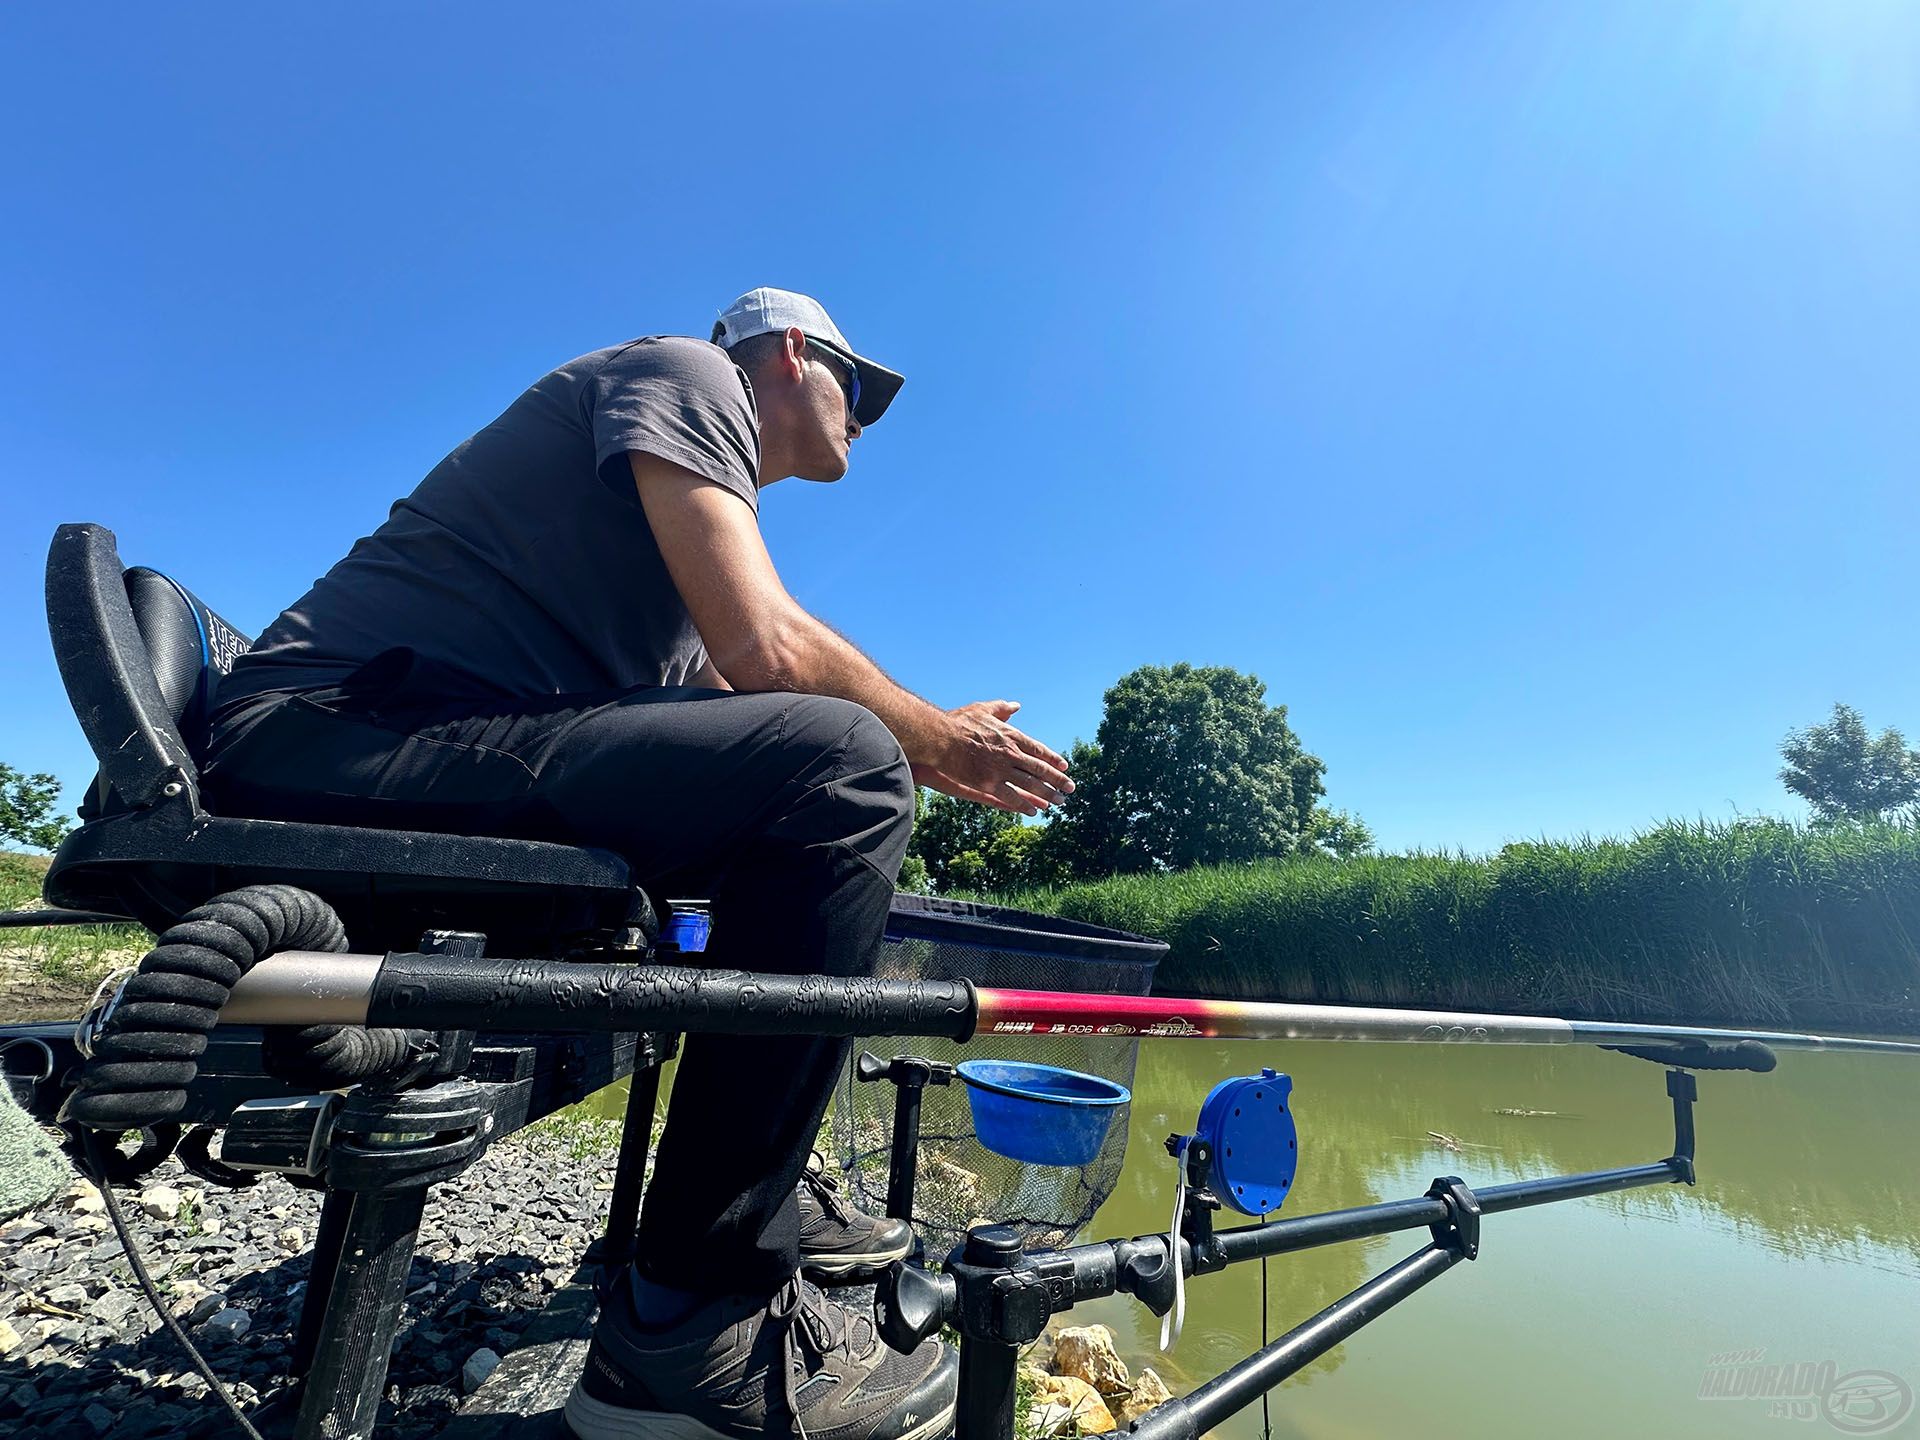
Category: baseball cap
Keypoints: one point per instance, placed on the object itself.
(766, 310)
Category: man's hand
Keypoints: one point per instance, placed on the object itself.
(989, 761)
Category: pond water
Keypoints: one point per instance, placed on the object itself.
(1589, 1318)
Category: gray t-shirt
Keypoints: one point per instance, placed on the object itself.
(523, 563)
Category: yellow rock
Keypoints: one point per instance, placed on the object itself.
(1149, 1390)
(1086, 1351)
(1065, 1404)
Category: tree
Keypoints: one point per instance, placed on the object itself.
(1190, 766)
(1846, 775)
(945, 828)
(1336, 833)
(1013, 859)
(26, 810)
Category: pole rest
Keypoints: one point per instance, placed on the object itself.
(912, 1071)
(909, 1075)
(1750, 1055)
(1684, 1089)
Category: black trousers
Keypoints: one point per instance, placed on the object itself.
(791, 812)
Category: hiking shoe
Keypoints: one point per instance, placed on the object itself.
(838, 1242)
(798, 1366)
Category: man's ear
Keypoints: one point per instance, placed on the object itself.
(793, 352)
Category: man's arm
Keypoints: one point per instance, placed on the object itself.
(759, 638)
(708, 678)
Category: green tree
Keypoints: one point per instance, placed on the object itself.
(26, 810)
(1190, 766)
(1846, 774)
(1336, 833)
(945, 828)
(913, 877)
(1012, 859)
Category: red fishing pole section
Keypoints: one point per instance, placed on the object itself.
(1047, 1012)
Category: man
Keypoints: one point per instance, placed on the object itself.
(571, 630)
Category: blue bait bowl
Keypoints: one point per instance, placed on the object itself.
(1039, 1114)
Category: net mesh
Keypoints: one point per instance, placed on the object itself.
(960, 1181)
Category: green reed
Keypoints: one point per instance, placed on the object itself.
(1749, 922)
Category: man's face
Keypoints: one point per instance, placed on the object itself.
(824, 422)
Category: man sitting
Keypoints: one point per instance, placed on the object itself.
(572, 631)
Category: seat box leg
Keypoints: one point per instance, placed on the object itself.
(328, 1239)
(348, 1369)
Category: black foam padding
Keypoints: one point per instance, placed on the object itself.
(147, 1056)
(437, 993)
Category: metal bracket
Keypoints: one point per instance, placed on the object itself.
(1461, 1229)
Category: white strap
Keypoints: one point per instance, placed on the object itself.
(1171, 1322)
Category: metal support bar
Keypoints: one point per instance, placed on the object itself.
(616, 1247)
(909, 1075)
(1240, 1386)
(1682, 1087)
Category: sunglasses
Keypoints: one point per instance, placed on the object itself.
(850, 385)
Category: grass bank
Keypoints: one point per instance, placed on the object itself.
(1753, 922)
(50, 971)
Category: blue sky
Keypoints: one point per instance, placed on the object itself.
(1525, 392)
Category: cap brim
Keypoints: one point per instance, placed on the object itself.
(878, 385)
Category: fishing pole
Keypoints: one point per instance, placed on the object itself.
(434, 991)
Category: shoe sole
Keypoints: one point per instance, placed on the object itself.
(592, 1419)
(840, 1266)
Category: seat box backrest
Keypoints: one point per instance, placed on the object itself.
(138, 655)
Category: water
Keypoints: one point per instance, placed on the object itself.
(1590, 1318)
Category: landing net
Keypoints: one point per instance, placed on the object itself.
(960, 1181)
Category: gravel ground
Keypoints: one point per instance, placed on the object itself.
(82, 1356)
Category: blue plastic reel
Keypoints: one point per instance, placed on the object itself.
(1249, 1123)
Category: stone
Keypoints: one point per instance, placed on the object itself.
(227, 1324)
(482, 1363)
(99, 1417)
(1149, 1390)
(184, 1294)
(68, 1297)
(9, 1338)
(85, 1198)
(1063, 1402)
(291, 1238)
(161, 1202)
(1086, 1352)
(209, 1304)
(114, 1306)
(21, 1230)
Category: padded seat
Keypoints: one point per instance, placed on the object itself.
(139, 656)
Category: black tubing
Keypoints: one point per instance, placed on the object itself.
(150, 1049)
